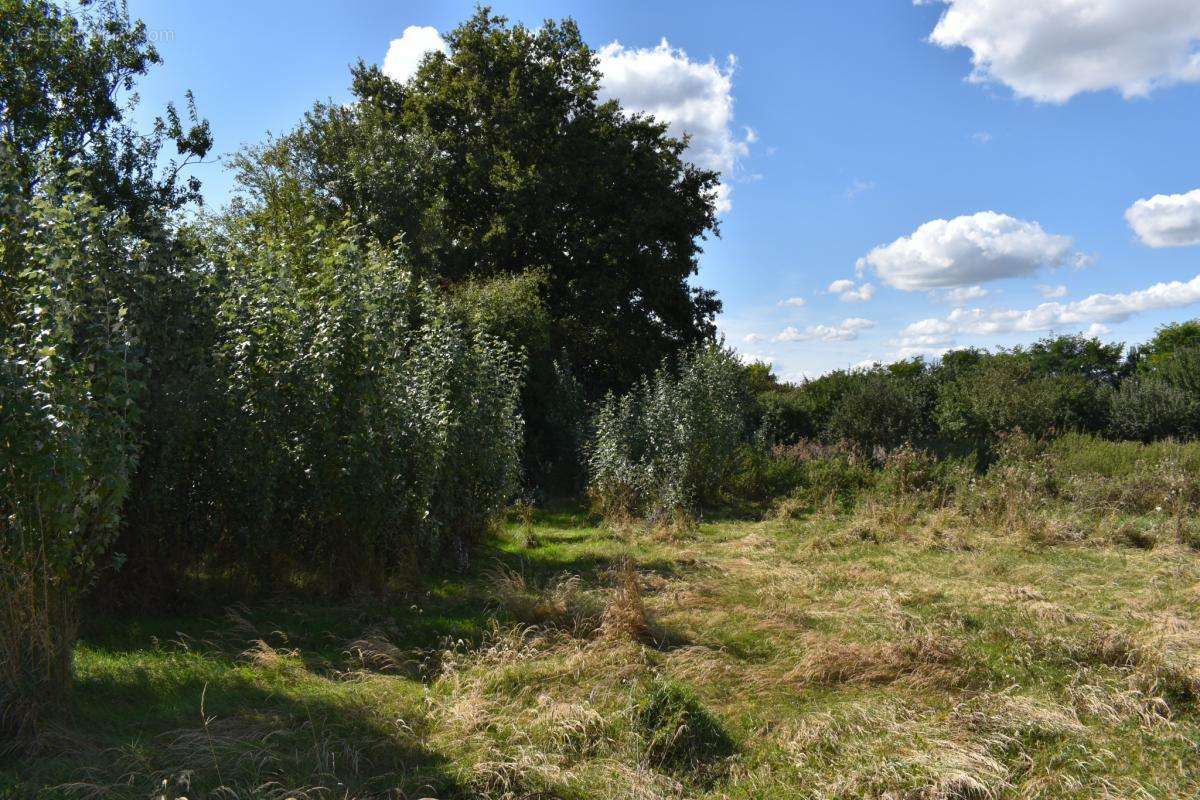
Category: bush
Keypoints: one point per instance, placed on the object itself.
(1149, 407)
(1005, 394)
(879, 410)
(67, 444)
(670, 444)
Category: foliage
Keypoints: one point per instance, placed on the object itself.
(879, 409)
(357, 422)
(1005, 394)
(1149, 407)
(64, 96)
(670, 443)
(68, 380)
(498, 159)
(511, 308)
(1168, 340)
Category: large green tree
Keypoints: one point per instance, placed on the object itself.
(498, 158)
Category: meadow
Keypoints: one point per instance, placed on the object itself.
(986, 642)
(420, 469)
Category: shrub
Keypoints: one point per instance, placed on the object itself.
(67, 418)
(670, 443)
(879, 409)
(1005, 394)
(1149, 407)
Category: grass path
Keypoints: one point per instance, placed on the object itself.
(835, 656)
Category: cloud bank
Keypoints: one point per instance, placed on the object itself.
(1092, 311)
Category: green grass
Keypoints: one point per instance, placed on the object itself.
(834, 655)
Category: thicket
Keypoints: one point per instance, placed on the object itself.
(254, 399)
(970, 399)
(762, 439)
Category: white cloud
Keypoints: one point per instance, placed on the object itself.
(404, 54)
(844, 331)
(692, 97)
(965, 251)
(751, 358)
(850, 292)
(981, 137)
(1098, 308)
(1051, 50)
(1097, 329)
(959, 295)
(907, 352)
(792, 301)
(858, 187)
(753, 338)
(1052, 291)
(1167, 220)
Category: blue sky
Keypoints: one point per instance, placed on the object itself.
(978, 163)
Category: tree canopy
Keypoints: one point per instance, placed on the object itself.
(498, 158)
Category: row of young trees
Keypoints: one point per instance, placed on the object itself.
(330, 380)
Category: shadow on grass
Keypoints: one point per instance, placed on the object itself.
(200, 722)
(135, 717)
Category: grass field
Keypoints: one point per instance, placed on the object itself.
(864, 653)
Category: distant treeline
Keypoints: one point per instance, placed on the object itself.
(968, 398)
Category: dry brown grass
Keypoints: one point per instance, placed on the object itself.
(625, 614)
(920, 658)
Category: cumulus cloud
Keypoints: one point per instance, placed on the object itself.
(792, 301)
(850, 292)
(966, 251)
(756, 358)
(404, 54)
(1051, 50)
(1052, 291)
(959, 295)
(1098, 308)
(1167, 220)
(753, 338)
(692, 97)
(844, 331)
